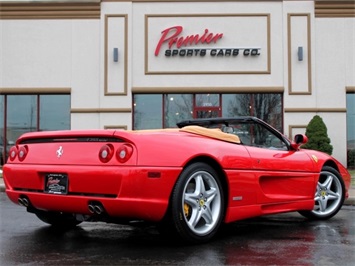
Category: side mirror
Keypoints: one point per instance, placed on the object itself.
(299, 140)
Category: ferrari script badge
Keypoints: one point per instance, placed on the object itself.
(60, 152)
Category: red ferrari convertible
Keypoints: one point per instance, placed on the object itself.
(188, 180)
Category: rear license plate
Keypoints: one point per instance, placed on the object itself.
(56, 184)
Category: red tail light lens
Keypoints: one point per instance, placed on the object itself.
(22, 152)
(106, 153)
(13, 153)
(124, 153)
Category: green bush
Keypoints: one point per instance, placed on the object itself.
(318, 139)
(351, 159)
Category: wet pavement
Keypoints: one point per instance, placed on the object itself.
(286, 239)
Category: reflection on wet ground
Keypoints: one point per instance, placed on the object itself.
(286, 239)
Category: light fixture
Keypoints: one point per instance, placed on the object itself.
(115, 54)
(300, 53)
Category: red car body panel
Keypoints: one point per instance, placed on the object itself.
(258, 181)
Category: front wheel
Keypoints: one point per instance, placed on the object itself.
(197, 203)
(329, 195)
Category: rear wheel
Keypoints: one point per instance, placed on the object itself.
(57, 219)
(197, 203)
(329, 195)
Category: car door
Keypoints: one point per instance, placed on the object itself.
(282, 174)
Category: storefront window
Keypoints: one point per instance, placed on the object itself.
(2, 113)
(350, 121)
(207, 114)
(54, 112)
(236, 105)
(21, 115)
(350, 117)
(207, 100)
(148, 110)
(2, 127)
(26, 113)
(177, 107)
(165, 110)
(267, 107)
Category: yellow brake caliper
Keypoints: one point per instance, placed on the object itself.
(187, 209)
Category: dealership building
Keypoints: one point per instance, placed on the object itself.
(120, 64)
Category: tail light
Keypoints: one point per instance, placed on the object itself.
(124, 152)
(22, 153)
(106, 153)
(13, 153)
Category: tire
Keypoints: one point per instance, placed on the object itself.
(329, 195)
(197, 204)
(59, 220)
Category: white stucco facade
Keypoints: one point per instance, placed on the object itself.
(71, 52)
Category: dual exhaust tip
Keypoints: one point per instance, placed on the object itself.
(96, 208)
(23, 201)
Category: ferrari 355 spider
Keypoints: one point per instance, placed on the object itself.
(189, 180)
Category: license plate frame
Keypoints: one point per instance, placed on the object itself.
(56, 184)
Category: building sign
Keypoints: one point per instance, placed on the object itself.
(180, 45)
(210, 44)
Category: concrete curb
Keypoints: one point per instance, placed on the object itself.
(348, 201)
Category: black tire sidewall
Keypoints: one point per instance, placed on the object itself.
(178, 218)
(314, 216)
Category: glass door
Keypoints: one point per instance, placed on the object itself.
(207, 105)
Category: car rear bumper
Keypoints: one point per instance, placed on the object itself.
(124, 192)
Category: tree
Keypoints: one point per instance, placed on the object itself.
(318, 139)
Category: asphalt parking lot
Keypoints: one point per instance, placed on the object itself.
(283, 239)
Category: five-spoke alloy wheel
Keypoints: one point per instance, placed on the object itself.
(198, 203)
(329, 195)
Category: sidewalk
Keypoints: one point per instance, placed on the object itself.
(348, 201)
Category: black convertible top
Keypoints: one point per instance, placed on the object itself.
(219, 120)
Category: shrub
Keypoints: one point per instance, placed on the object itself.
(318, 139)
